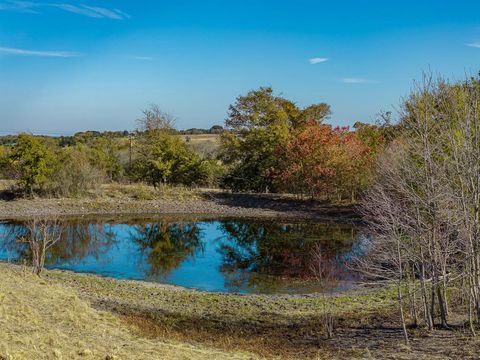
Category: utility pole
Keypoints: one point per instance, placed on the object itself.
(130, 150)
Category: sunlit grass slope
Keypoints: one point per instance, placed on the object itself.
(40, 320)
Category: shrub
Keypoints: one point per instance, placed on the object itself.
(76, 173)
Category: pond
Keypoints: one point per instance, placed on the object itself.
(222, 255)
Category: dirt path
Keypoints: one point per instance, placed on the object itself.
(207, 203)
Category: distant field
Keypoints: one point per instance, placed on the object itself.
(201, 137)
(207, 145)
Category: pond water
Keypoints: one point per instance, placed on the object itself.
(225, 255)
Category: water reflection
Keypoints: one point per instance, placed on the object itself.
(78, 240)
(164, 246)
(284, 251)
(216, 255)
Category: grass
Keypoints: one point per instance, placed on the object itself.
(6, 184)
(108, 199)
(43, 320)
(146, 192)
(136, 191)
(269, 326)
(64, 315)
(202, 137)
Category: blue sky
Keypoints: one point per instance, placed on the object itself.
(68, 66)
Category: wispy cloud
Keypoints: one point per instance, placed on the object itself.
(77, 10)
(85, 10)
(145, 58)
(24, 52)
(474, 45)
(317, 60)
(358, 81)
(18, 6)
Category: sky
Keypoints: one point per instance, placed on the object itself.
(73, 65)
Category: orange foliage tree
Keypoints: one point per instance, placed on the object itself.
(322, 161)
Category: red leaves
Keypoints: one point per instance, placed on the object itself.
(318, 159)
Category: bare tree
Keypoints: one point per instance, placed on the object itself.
(324, 270)
(40, 235)
(155, 119)
(388, 249)
(463, 137)
(423, 211)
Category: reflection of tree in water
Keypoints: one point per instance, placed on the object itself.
(260, 255)
(282, 250)
(78, 240)
(165, 245)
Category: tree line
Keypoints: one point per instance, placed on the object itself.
(273, 145)
(268, 144)
(153, 154)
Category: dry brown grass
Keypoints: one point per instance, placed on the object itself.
(40, 320)
(44, 319)
(6, 184)
(286, 327)
(202, 137)
(140, 191)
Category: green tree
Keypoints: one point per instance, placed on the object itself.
(314, 112)
(162, 156)
(258, 124)
(32, 163)
(261, 108)
(105, 156)
(4, 160)
(251, 158)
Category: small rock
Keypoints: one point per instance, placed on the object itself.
(57, 354)
(85, 352)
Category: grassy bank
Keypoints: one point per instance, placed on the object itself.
(285, 326)
(72, 314)
(43, 320)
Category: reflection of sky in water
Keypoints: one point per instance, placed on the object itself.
(202, 267)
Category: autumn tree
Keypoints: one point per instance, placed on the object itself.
(319, 160)
(355, 163)
(309, 160)
(258, 123)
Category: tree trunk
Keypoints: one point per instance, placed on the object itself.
(402, 316)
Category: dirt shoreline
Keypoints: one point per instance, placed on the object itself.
(207, 204)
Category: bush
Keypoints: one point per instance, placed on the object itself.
(212, 172)
(76, 173)
(163, 158)
(4, 168)
(105, 156)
